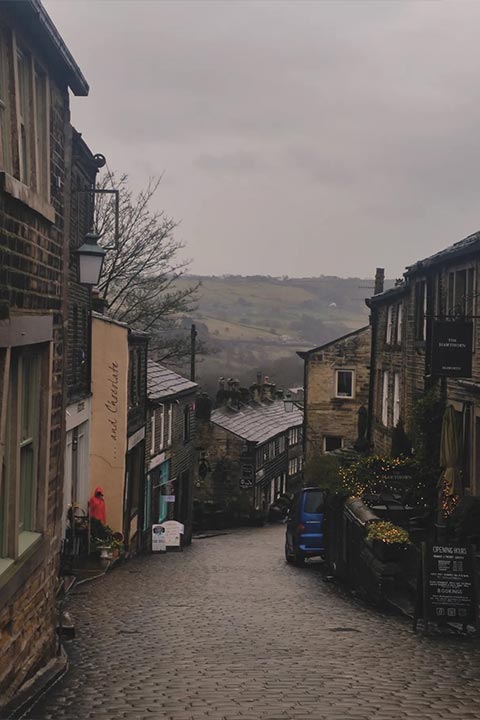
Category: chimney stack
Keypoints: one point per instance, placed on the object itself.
(379, 281)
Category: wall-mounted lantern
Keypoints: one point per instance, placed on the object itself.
(91, 256)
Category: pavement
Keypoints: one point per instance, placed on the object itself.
(226, 630)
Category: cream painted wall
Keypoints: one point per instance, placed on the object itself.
(109, 415)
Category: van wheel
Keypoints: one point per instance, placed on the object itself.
(289, 558)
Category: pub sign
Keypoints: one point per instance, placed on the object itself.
(452, 348)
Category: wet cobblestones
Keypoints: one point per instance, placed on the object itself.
(226, 630)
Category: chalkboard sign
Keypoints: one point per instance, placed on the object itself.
(447, 588)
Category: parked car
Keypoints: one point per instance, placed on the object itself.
(304, 535)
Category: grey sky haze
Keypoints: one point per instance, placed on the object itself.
(298, 138)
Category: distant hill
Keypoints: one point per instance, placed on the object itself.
(258, 323)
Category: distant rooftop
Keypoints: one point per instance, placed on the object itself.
(163, 383)
(257, 422)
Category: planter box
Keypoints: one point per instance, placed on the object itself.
(387, 552)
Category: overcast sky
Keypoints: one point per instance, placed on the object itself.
(297, 138)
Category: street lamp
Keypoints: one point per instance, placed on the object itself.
(91, 257)
(288, 403)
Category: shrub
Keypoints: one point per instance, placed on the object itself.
(388, 533)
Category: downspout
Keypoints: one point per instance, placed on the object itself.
(371, 386)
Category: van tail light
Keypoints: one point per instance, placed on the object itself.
(300, 527)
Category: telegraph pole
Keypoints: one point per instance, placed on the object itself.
(193, 339)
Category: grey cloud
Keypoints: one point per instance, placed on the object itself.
(300, 137)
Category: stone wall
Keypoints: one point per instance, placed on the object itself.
(325, 414)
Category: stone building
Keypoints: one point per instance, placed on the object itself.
(171, 449)
(36, 73)
(251, 449)
(336, 392)
(439, 291)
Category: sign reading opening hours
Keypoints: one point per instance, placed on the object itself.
(448, 589)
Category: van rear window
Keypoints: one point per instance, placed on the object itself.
(314, 501)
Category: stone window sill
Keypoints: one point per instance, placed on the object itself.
(27, 196)
(14, 574)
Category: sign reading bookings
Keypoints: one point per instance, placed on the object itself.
(452, 348)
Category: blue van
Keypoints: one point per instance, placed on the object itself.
(304, 536)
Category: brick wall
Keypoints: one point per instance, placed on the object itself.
(79, 297)
(33, 256)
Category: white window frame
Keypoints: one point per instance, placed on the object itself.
(170, 424)
(389, 327)
(342, 396)
(5, 117)
(399, 323)
(152, 425)
(396, 399)
(385, 397)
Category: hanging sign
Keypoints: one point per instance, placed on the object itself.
(447, 591)
(452, 348)
(158, 539)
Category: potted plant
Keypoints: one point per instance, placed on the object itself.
(387, 540)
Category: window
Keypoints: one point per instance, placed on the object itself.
(385, 398)
(186, 423)
(293, 466)
(389, 330)
(314, 501)
(23, 85)
(152, 424)
(396, 399)
(169, 423)
(344, 384)
(281, 444)
(5, 140)
(420, 310)
(461, 292)
(332, 442)
(42, 133)
(19, 522)
(399, 324)
(293, 436)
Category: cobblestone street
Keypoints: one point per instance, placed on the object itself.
(228, 630)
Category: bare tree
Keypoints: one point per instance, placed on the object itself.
(141, 270)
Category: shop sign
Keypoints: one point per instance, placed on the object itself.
(452, 348)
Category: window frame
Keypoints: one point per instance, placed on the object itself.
(385, 397)
(353, 379)
(389, 326)
(331, 437)
(396, 398)
(15, 537)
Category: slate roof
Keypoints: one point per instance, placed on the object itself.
(305, 353)
(163, 383)
(462, 247)
(258, 422)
